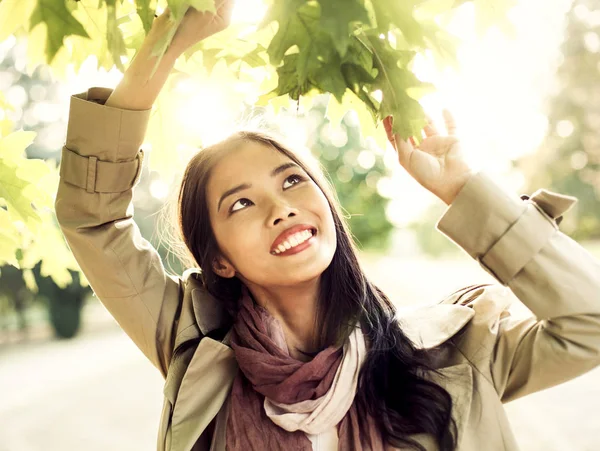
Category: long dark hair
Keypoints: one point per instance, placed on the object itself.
(391, 386)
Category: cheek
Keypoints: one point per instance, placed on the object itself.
(240, 242)
(324, 210)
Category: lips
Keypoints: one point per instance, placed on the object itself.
(288, 232)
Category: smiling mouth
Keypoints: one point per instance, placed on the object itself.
(298, 247)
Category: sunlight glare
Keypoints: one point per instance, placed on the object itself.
(248, 11)
(159, 189)
(203, 112)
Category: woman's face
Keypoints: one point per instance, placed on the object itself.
(247, 222)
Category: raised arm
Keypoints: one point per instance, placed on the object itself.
(101, 163)
(518, 242)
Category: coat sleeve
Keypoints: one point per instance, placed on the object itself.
(517, 241)
(100, 165)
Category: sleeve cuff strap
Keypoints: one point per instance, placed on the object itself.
(522, 241)
(97, 176)
(519, 245)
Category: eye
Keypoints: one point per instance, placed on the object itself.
(297, 177)
(231, 210)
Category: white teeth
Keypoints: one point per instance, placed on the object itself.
(294, 240)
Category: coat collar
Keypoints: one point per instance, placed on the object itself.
(214, 363)
(427, 326)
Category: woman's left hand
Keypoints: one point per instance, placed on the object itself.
(437, 163)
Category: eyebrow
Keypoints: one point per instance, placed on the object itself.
(278, 170)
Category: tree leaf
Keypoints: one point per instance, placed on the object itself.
(13, 14)
(59, 22)
(289, 32)
(390, 14)
(9, 239)
(114, 37)
(20, 177)
(204, 5)
(146, 14)
(338, 21)
(393, 81)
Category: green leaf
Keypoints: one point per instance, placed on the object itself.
(146, 13)
(49, 247)
(359, 54)
(256, 58)
(17, 199)
(59, 22)
(204, 5)
(179, 7)
(9, 239)
(329, 78)
(338, 21)
(21, 177)
(390, 14)
(393, 81)
(13, 14)
(12, 147)
(114, 37)
(287, 82)
(290, 31)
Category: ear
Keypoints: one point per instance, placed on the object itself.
(223, 268)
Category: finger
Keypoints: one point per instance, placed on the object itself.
(449, 121)
(387, 125)
(404, 150)
(224, 9)
(430, 129)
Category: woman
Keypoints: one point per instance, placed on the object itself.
(279, 341)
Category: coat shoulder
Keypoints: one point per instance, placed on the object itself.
(490, 303)
(462, 314)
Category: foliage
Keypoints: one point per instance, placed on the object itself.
(430, 240)
(360, 47)
(568, 161)
(28, 231)
(64, 304)
(359, 51)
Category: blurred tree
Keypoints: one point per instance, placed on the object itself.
(569, 159)
(35, 100)
(354, 170)
(16, 296)
(64, 304)
(430, 240)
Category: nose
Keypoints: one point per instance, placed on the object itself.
(281, 210)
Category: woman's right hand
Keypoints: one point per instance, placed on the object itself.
(197, 26)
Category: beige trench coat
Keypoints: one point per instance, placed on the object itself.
(491, 356)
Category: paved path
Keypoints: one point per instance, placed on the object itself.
(95, 393)
(99, 393)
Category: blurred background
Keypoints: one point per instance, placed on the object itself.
(526, 99)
